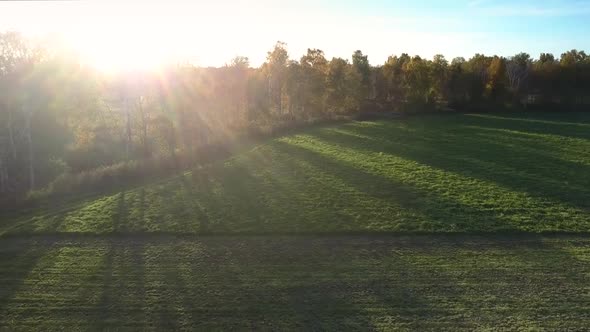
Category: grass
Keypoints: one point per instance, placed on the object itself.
(458, 173)
(296, 283)
(492, 195)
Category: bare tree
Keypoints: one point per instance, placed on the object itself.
(3, 169)
(127, 126)
(144, 117)
(28, 110)
(10, 128)
(517, 75)
(517, 70)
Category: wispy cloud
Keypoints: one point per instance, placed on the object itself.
(537, 8)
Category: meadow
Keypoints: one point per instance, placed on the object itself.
(421, 282)
(475, 221)
(453, 173)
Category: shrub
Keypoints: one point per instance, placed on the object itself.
(128, 173)
(106, 178)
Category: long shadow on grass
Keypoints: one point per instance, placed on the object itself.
(504, 284)
(576, 125)
(340, 284)
(122, 214)
(237, 199)
(472, 156)
(122, 302)
(108, 290)
(289, 193)
(51, 223)
(16, 263)
(297, 196)
(193, 202)
(60, 291)
(434, 207)
(305, 283)
(107, 214)
(262, 283)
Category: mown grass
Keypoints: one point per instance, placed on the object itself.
(296, 283)
(136, 260)
(453, 173)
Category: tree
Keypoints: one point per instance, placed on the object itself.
(22, 77)
(57, 114)
(440, 75)
(294, 87)
(276, 67)
(574, 76)
(496, 77)
(572, 58)
(458, 82)
(517, 71)
(393, 75)
(546, 58)
(14, 56)
(238, 80)
(477, 71)
(360, 63)
(417, 81)
(313, 71)
(342, 87)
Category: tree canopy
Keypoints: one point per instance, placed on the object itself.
(59, 117)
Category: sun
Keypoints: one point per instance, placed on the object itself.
(128, 35)
(121, 47)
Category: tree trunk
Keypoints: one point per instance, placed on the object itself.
(29, 137)
(128, 128)
(172, 145)
(11, 135)
(280, 101)
(3, 175)
(144, 140)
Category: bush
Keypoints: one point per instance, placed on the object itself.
(106, 178)
(128, 173)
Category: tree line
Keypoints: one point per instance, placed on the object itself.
(59, 117)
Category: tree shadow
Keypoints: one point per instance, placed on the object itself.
(433, 207)
(122, 301)
(108, 290)
(108, 214)
(121, 215)
(504, 280)
(47, 223)
(376, 282)
(469, 155)
(59, 291)
(576, 125)
(265, 283)
(17, 259)
(234, 199)
(192, 200)
(343, 283)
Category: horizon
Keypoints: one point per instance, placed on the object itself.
(115, 36)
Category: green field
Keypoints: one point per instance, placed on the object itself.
(476, 221)
(459, 173)
(303, 283)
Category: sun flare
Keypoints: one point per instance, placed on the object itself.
(123, 48)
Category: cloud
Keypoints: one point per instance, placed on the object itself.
(537, 8)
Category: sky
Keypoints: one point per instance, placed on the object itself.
(113, 34)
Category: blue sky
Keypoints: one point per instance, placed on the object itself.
(212, 32)
(486, 26)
